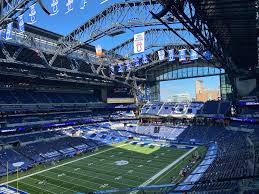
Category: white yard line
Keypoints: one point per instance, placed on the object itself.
(70, 182)
(38, 187)
(104, 167)
(39, 172)
(53, 185)
(164, 170)
(110, 180)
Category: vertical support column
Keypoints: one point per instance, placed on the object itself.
(257, 68)
(226, 89)
(257, 84)
(147, 91)
(104, 94)
(154, 91)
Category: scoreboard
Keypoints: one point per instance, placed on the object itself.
(120, 96)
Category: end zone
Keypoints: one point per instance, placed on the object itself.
(4, 189)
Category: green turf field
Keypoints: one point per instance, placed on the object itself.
(118, 166)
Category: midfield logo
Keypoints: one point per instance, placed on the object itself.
(121, 162)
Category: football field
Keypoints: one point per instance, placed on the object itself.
(112, 167)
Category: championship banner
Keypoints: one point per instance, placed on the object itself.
(120, 67)
(136, 61)
(144, 59)
(193, 54)
(32, 14)
(161, 55)
(182, 55)
(69, 6)
(171, 55)
(54, 6)
(139, 42)
(20, 24)
(128, 65)
(99, 51)
(112, 70)
(126, 68)
(207, 55)
(83, 4)
(8, 32)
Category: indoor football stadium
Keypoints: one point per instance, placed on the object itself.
(129, 97)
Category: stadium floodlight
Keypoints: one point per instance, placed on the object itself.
(20, 9)
(116, 32)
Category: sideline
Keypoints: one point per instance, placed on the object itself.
(164, 170)
(39, 172)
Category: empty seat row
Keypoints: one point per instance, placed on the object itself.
(30, 97)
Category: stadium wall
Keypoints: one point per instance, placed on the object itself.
(245, 86)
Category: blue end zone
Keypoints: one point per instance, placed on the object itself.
(10, 190)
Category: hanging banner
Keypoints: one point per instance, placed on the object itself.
(193, 54)
(144, 59)
(8, 32)
(207, 55)
(136, 61)
(20, 24)
(69, 5)
(99, 51)
(182, 55)
(161, 55)
(139, 42)
(128, 65)
(112, 70)
(120, 67)
(32, 14)
(54, 6)
(171, 55)
(83, 4)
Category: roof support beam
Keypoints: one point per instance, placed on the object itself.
(9, 8)
(117, 17)
(188, 15)
(152, 39)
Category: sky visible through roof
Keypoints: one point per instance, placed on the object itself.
(63, 24)
(171, 88)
